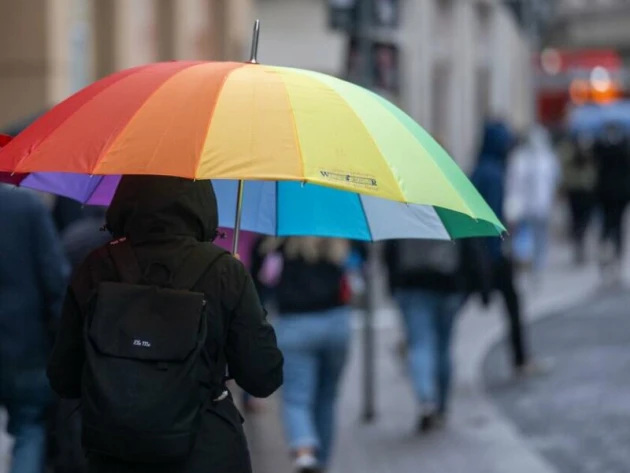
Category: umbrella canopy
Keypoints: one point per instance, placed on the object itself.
(294, 209)
(238, 121)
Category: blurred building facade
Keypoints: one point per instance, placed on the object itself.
(601, 24)
(460, 61)
(52, 48)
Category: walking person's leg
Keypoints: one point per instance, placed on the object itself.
(27, 406)
(584, 210)
(506, 286)
(574, 209)
(417, 307)
(333, 358)
(617, 237)
(611, 240)
(541, 240)
(301, 370)
(445, 320)
(609, 215)
(618, 228)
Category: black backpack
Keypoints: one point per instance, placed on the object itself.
(416, 257)
(148, 374)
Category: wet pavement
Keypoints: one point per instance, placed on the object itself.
(577, 415)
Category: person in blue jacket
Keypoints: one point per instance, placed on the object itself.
(33, 277)
(489, 178)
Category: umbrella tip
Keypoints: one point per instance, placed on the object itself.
(253, 58)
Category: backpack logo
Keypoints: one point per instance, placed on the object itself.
(141, 343)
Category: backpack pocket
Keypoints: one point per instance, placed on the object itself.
(146, 322)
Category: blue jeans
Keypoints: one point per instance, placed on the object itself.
(428, 318)
(26, 395)
(315, 348)
(534, 235)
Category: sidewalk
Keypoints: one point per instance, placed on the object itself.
(579, 417)
(478, 438)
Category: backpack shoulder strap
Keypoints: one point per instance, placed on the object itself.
(125, 261)
(201, 258)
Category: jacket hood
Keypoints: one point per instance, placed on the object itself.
(539, 140)
(155, 207)
(497, 142)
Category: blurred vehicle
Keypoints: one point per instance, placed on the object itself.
(575, 78)
(591, 119)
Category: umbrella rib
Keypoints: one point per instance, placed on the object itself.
(367, 221)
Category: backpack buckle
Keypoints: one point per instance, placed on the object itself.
(221, 397)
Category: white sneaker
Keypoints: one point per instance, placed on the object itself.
(306, 464)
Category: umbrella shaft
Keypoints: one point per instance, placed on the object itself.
(237, 219)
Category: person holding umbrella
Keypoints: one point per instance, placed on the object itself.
(162, 227)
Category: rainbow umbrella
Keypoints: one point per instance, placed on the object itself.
(242, 121)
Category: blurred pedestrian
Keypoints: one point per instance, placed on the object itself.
(84, 235)
(489, 177)
(313, 327)
(151, 323)
(67, 211)
(579, 180)
(79, 238)
(33, 275)
(265, 267)
(612, 157)
(533, 177)
(430, 281)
